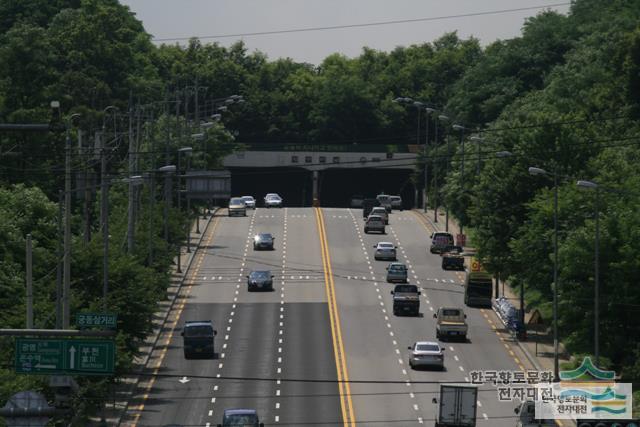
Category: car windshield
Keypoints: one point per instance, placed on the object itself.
(378, 209)
(383, 199)
(264, 236)
(395, 198)
(398, 268)
(247, 198)
(273, 197)
(441, 240)
(260, 274)
(406, 288)
(385, 246)
(451, 312)
(237, 201)
(427, 347)
(198, 331)
(240, 420)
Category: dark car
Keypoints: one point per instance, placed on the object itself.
(198, 339)
(452, 258)
(263, 241)
(260, 280)
(240, 418)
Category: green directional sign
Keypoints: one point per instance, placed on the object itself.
(96, 320)
(65, 356)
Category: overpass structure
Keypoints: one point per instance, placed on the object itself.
(319, 158)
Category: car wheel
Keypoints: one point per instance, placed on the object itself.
(410, 364)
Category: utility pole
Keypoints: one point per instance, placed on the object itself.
(435, 175)
(130, 207)
(59, 263)
(66, 273)
(29, 283)
(104, 216)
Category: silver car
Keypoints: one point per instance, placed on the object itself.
(381, 211)
(249, 201)
(385, 251)
(426, 353)
(384, 201)
(396, 202)
(272, 200)
(374, 223)
(237, 207)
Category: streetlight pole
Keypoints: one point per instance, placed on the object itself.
(187, 152)
(446, 119)
(435, 174)
(428, 111)
(460, 130)
(478, 140)
(168, 169)
(104, 209)
(66, 269)
(538, 171)
(596, 309)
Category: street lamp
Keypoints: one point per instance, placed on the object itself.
(187, 153)
(539, 171)
(167, 170)
(428, 111)
(478, 140)
(104, 205)
(596, 329)
(442, 118)
(66, 264)
(460, 130)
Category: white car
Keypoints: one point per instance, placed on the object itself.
(385, 250)
(426, 353)
(249, 201)
(272, 200)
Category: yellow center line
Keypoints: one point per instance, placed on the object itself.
(160, 359)
(346, 404)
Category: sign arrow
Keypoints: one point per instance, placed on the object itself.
(39, 366)
(184, 380)
(72, 353)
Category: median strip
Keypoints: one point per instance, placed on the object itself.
(346, 404)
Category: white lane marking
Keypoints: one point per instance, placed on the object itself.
(451, 348)
(485, 416)
(456, 357)
(461, 368)
(479, 404)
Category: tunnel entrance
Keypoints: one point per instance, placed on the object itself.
(292, 184)
(335, 186)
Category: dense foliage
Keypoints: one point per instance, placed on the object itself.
(564, 96)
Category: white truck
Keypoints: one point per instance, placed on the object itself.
(527, 416)
(457, 406)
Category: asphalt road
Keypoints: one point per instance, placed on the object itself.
(324, 347)
(265, 339)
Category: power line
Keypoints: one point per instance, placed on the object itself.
(367, 24)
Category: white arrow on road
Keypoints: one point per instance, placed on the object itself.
(184, 380)
(72, 353)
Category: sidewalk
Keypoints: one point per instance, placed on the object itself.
(124, 390)
(538, 347)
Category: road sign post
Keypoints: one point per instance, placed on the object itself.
(64, 356)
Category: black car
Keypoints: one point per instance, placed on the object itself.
(263, 241)
(261, 280)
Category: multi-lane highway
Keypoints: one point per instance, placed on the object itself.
(323, 348)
